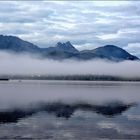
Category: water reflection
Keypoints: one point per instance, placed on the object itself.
(64, 110)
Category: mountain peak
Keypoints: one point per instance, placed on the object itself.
(59, 44)
(110, 46)
(67, 46)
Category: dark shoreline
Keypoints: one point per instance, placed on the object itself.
(69, 77)
(4, 79)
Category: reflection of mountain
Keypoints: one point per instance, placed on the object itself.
(64, 50)
(64, 110)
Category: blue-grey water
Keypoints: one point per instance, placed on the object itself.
(93, 120)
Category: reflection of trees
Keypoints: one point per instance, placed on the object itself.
(63, 110)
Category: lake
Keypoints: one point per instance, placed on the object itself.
(69, 110)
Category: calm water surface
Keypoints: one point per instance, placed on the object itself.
(82, 123)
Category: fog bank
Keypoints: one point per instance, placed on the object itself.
(12, 64)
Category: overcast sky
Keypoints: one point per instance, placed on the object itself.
(86, 24)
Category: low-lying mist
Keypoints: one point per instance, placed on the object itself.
(12, 64)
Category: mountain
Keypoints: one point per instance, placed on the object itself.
(64, 50)
(67, 47)
(60, 51)
(15, 44)
(110, 52)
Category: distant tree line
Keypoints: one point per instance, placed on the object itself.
(69, 77)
